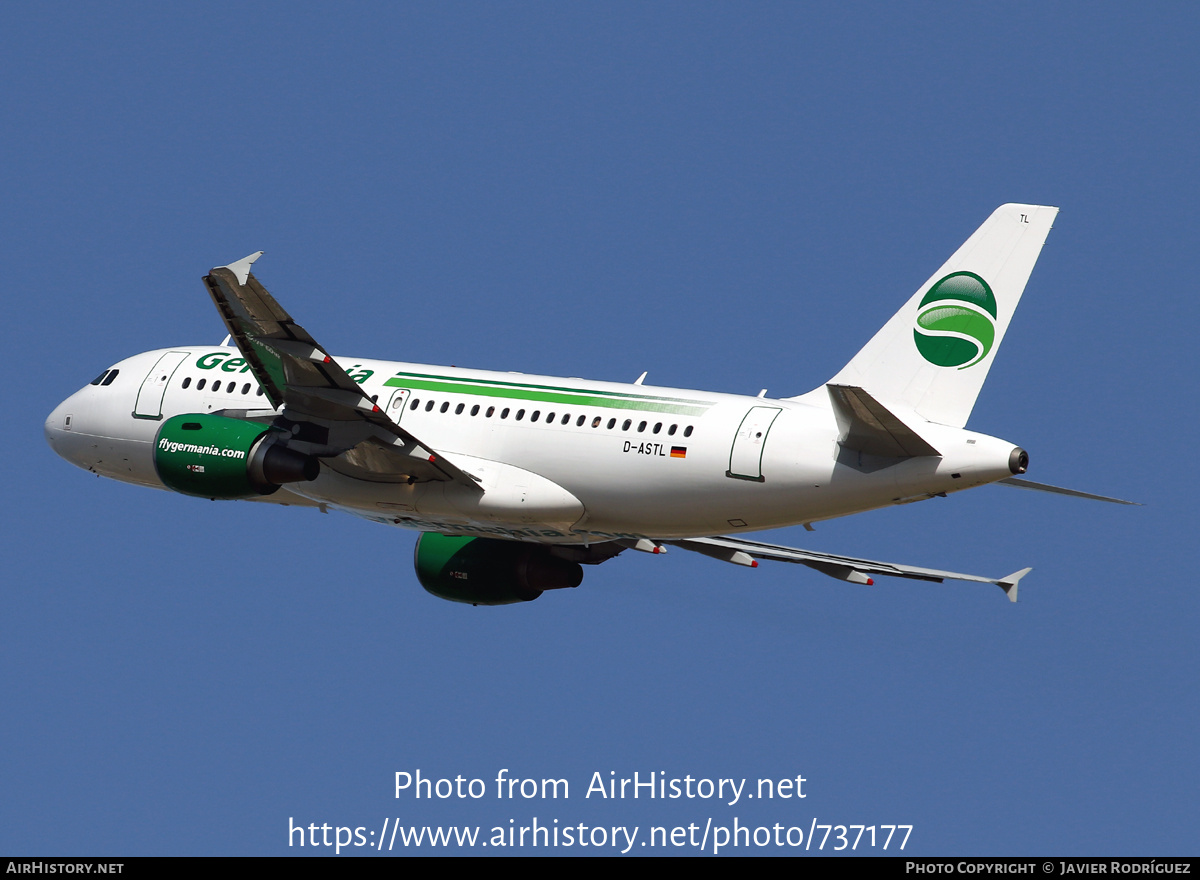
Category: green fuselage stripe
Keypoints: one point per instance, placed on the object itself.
(550, 394)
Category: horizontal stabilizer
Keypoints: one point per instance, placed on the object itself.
(1058, 490)
(866, 425)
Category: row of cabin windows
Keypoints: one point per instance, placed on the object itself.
(550, 417)
(535, 416)
(216, 386)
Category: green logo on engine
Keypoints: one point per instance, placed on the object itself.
(956, 321)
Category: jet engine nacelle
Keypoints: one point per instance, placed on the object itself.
(218, 457)
(487, 571)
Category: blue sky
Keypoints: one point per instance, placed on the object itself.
(728, 197)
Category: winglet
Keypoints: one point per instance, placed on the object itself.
(1009, 584)
(241, 269)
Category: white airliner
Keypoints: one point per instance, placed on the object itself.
(515, 480)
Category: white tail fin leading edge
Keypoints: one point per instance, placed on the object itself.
(933, 356)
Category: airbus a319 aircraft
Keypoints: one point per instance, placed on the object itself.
(515, 481)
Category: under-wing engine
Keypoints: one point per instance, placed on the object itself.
(487, 571)
(217, 457)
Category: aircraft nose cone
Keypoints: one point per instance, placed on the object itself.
(62, 428)
(54, 426)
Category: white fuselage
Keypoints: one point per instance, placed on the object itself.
(559, 459)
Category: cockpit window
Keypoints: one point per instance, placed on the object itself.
(99, 378)
(108, 380)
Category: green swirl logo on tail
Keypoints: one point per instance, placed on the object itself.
(956, 321)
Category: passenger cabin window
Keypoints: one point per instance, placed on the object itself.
(596, 422)
(246, 388)
(579, 422)
(475, 410)
(566, 419)
(625, 424)
(458, 409)
(490, 410)
(687, 432)
(200, 384)
(445, 406)
(429, 406)
(671, 430)
(504, 413)
(641, 427)
(520, 414)
(657, 427)
(186, 382)
(416, 402)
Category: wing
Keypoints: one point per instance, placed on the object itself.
(846, 568)
(325, 410)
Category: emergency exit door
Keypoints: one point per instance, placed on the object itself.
(745, 458)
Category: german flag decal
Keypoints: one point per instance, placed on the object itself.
(678, 452)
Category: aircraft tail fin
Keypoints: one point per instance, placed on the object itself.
(932, 357)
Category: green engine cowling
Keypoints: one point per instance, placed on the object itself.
(218, 457)
(487, 571)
